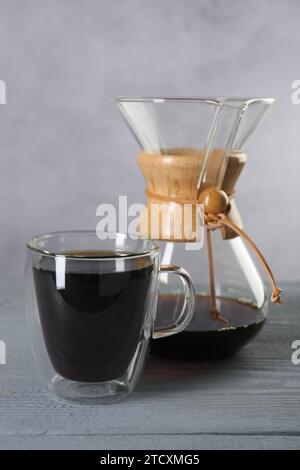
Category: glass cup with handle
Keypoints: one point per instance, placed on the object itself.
(91, 306)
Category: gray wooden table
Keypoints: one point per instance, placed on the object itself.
(249, 401)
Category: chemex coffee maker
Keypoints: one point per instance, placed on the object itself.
(191, 158)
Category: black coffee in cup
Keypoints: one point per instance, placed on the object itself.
(94, 322)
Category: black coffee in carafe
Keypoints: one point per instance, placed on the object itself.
(205, 339)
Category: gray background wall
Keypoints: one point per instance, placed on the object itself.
(63, 146)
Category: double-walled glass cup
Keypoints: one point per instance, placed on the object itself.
(91, 305)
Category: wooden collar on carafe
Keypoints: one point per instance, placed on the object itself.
(216, 205)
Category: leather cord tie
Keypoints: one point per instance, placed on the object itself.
(213, 199)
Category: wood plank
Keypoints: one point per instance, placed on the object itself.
(150, 442)
(252, 399)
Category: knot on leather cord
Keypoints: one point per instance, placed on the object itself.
(216, 207)
(214, 221)
(276, 296)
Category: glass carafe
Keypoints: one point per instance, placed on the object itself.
(189, 145)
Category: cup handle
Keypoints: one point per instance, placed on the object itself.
(187, 311)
